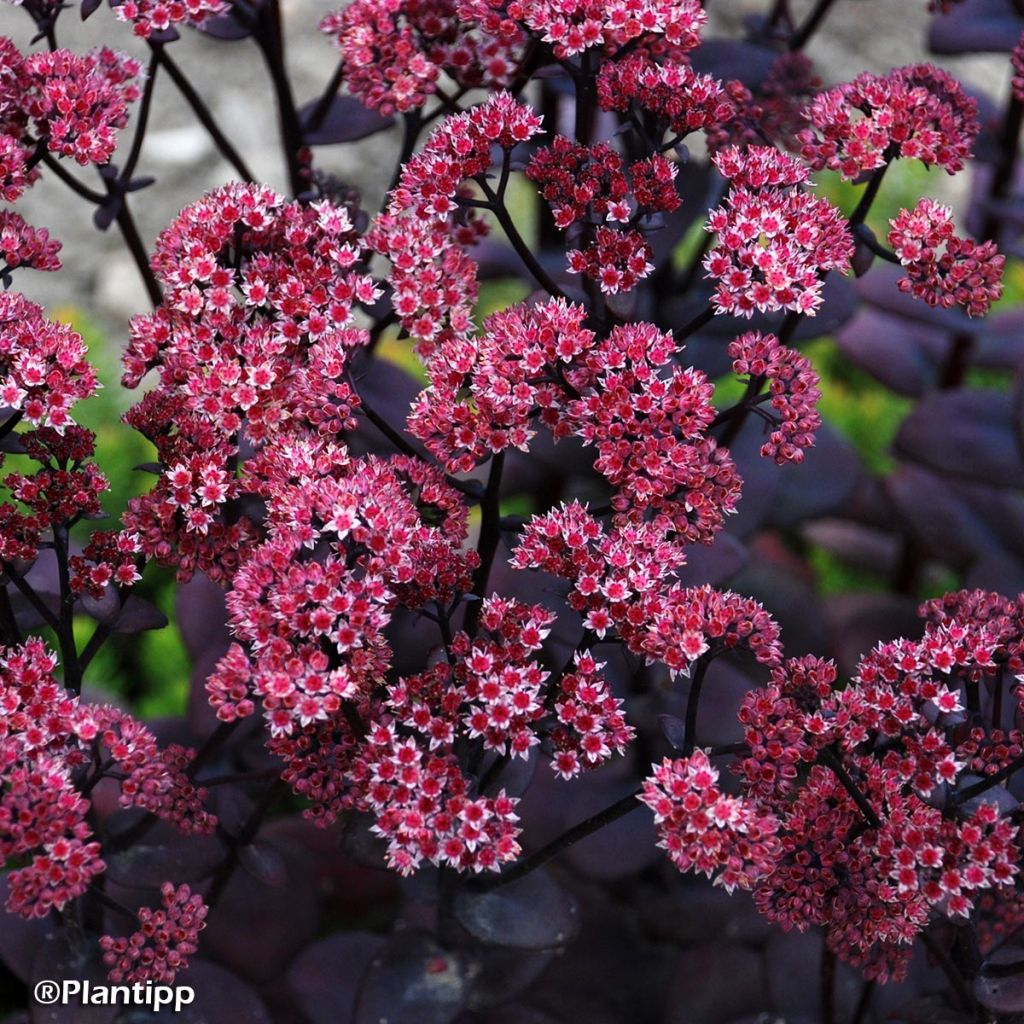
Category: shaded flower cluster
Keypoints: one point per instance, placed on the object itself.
(943, 269)
(570, 27)
(394, 53)
(917, 112)
(163, 943)
(792, 388)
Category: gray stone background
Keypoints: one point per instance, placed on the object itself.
(100, 278)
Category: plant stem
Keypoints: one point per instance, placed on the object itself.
(202, 112)
(490, 535)
(803, 34)
(955, 978)
(271, 42)
(990, 782)
(65, 623)
(828, 985)
(693, 703)
(132, 239)
(143, 120)
(585, 828)
(525, 253)
(829, 759)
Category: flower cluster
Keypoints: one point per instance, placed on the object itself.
(704, 830)
(24, 246)
(675, 96)
(917, 112)
(163, 943)
(942, 268)
(46, 737)
(316, 626)
(616, 260)
(863, 783)
(254, 334)
(775, 242)
(793, 389)
(571, 27)
(77, 102)
(434, 283)
(775, 112)
(591, 724)
(43, 369)
(648, 427)
(159, 17)
(395, 52)
(485, 392)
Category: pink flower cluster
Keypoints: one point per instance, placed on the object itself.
(316, 627)
(255, 332)
(622, 581)
(862, 782)
(394, 52)
(942, 268)
(776, 113)
(43, 367)
(24, 246)
(434, 283)
(677, 97)
(704, 830)
(163, 943)
(159, 17)
(792, 387)
(775, 241)
(917, 112)
(46, 737)
(570, 27)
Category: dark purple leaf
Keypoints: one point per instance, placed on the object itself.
(226, 27)
(533, 913)
(674, 730)
(138, 615)
(902, 354)
(220, 996)
(976, 26)
(711, 983)
(857, 544)
(147, 866)
(999, 985)
(265, 863)
(930, 1010)
(324, 978)
(19, 938)
(856, 622)
(88, 8)
(105, 608)
(734, 58)
(1001, 346)
(56, 961)
(965, 433)
(202, 616)
(258, 928)
(414, 981)
(106, 214)
(998, 572)
(346, 120)
(838, 306)
(957, 522)
(502, 973)
(822, 483)
(713, 564)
